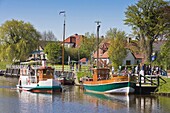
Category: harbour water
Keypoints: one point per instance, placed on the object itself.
(75, 100)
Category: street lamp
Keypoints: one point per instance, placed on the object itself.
(64, 13)
(98, 26)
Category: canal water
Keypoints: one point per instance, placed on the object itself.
(75, 100)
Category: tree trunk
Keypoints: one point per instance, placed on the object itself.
(149, 50)
(146, 47)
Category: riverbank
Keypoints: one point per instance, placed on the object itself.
(164, 88)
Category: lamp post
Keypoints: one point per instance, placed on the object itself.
(98, 26)
(64, 13)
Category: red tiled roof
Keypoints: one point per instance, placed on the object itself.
(74, 39)
(139, 55)
(83, 60)
(101, 54)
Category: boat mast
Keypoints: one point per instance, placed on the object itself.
(98, 26)
(63, 12)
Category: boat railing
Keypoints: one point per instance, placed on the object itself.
(120, 78)
(113, 79)
(22, 66)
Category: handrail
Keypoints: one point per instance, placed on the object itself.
(22, 66)
(162, 79)
(150, 80)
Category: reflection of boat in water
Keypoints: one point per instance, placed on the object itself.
(30, 96)
(34, 102)
(39, 79)
(103, 83)
(111, 101)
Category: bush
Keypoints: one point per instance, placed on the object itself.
(3, 65)
(83, 74)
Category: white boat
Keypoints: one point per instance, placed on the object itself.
(39, 79)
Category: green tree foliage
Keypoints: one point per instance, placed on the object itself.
(164, 55)
(117, 51)
(147, 19)
(89, 45)
(72, 52)
(18, 39)
(54, 52)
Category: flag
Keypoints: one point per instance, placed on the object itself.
(61, 12)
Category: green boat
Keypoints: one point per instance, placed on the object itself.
(103, 83)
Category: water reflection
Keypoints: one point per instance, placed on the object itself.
(74, 99)
(115, 102)
(36, 102)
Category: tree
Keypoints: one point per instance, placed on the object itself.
(117, 51)
(147, 19)
(165, 55)
(53, 51)
(18, 39)
(48, 36)
(88, 45)
(72, 52)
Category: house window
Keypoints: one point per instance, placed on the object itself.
(128, 62)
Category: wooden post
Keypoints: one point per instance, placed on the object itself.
(98, 26)
(158, 80)
(140, 84)
(151, 80)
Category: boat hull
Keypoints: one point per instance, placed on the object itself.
(49, 85)
(67, 82)
(124, 87)
(30, 87)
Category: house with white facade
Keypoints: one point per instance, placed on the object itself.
(130, 58)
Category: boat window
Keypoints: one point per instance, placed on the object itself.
(102, 73)
(99, 72)
(44, 71)
(48, 72)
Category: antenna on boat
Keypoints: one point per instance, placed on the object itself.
(98, 26)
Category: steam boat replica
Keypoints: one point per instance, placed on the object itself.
(103, 83)
(38, 79)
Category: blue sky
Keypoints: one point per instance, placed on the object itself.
(80, 14)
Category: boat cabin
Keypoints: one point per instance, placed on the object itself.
(37, 74)
(45, 73)
(101, 74)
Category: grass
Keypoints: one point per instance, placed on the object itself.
(164, 87)
(67, 67)
(3, 65)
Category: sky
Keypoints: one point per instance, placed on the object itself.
(80, 15)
